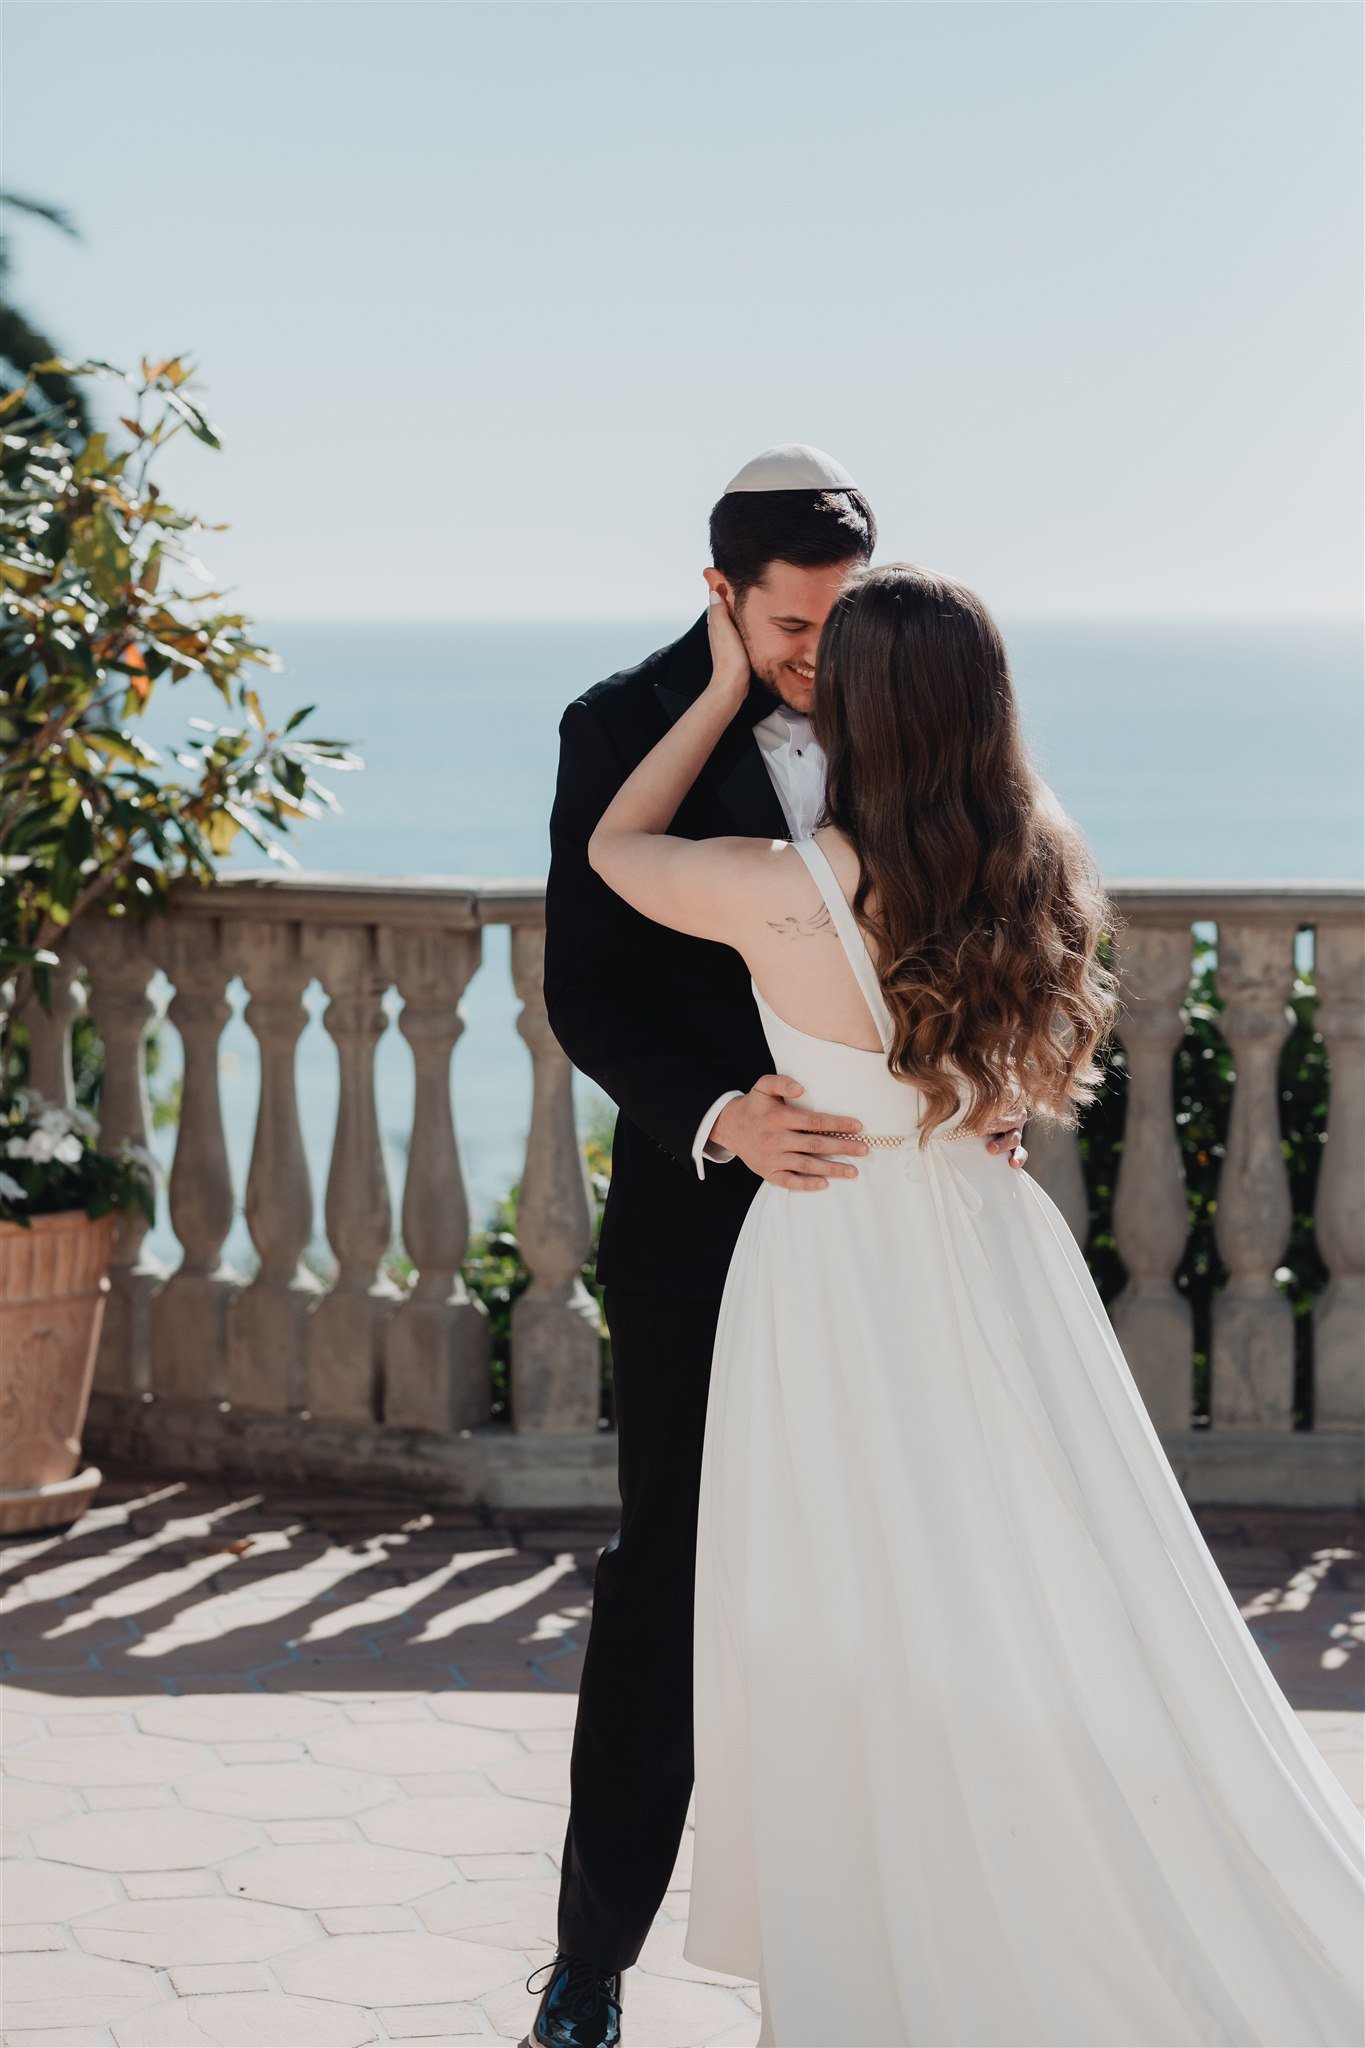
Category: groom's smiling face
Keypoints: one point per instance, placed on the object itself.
(780, 618)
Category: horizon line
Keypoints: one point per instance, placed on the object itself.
(663, 614)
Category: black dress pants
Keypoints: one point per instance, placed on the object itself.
(631, 1766)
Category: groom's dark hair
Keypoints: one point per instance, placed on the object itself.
(749, 529)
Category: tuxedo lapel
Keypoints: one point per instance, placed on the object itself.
(736, 772)
(745, 787)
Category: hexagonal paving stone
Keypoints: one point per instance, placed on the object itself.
(336, 1874)
(516, 1710)
(164, 1932)
(425, 2023)
(466, 1827)
(61, 1991)
(533, 1777)
(509, 1913)
(411, 1749)
(103, 1688)
(86, 1724)
(33, 1890)
(368, 1711)
(236, 1717)
(549, 1739)
(107, 1760)
(142, 1841)
(27, 1937)
(195, 1980)
(441, 1784)
(346, 1678)
(396, 1969)
(299, 1791)
(39, 1637)
(16, 1728)
(28, 1806)
(247, 2019)
(79, 2037)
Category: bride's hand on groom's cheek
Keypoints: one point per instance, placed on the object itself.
(729, 655)
(785, 1144)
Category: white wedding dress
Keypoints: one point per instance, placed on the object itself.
(985, 1754)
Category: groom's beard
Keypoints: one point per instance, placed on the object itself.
(780, 684)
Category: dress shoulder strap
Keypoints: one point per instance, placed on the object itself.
(850, 934)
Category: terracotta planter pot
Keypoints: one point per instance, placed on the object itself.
(53, 1280)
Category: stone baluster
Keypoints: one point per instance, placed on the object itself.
(1054, 1161)
(267, 1320)
(344, 1351)
(1151, 1317)
(1338, 1381)
(116, 952)
(556, 1346)
(189, 1317)
(436, 1368)
(1252, 1367)
(49, 1034)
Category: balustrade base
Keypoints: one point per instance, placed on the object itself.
(1338, 1382)
(494, 1467)
(1268, 1468)
(125, 1339)
(187, 1330)
(436, 1365)
(488, 1467)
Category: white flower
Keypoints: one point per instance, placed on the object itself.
(42, 1147)
(17, 1148)
(68, 1151)
(10, 1190)
(54, 1118)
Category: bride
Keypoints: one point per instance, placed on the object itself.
(985, 1754)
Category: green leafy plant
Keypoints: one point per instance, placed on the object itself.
(50, 1164)
(495, 1273)
(97, 610)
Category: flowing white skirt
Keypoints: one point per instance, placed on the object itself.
(985, 1754)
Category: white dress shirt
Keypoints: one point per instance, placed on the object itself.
(796, 768)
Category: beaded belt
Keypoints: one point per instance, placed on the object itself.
(891, 1138)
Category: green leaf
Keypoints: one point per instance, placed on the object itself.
(193, 418)
(92, 457)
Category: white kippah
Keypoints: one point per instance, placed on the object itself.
(794, 466)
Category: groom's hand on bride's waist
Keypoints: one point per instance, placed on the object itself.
(791, 1146)
(783, 1143)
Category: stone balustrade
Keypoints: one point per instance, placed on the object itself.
(282, 1375)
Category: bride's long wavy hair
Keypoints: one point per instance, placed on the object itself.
(979, 894)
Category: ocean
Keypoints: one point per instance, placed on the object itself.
(1212, 751)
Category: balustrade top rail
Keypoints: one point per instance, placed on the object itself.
(459, 902)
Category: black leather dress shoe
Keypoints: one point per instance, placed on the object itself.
(580, 2006)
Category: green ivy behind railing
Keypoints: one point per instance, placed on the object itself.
(1203, 1086)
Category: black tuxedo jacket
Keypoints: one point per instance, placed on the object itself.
(663, 1023)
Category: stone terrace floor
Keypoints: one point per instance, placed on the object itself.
(287, 1768)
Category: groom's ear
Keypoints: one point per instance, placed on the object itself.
(716, 581)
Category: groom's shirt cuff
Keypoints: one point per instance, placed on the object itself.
(703, 1147)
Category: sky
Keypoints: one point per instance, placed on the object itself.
(490, 300)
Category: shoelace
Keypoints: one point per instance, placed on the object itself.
(585, 1989)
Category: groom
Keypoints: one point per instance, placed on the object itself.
(667, 1027)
